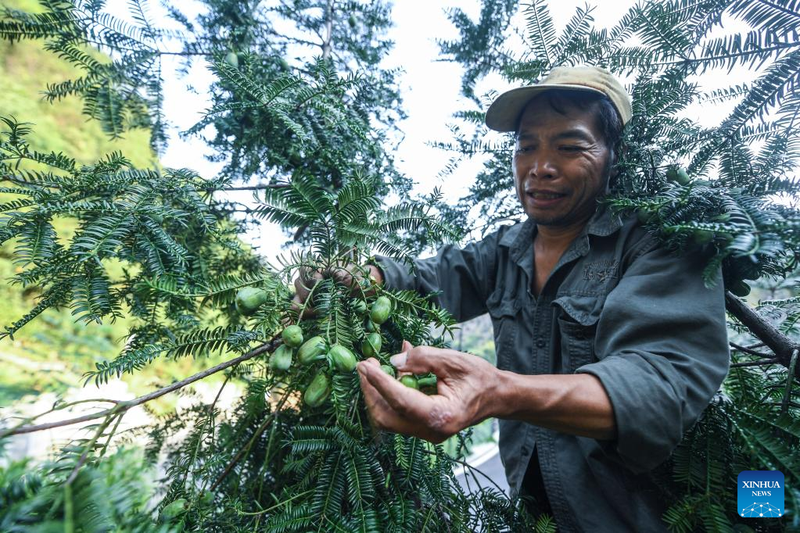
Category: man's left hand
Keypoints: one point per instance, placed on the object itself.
(466, 393)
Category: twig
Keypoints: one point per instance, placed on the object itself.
(238, 457)
(284, 502)
(789, 404)
(472, 468)
(88, 447)
(771, 361)
(121, 407)
(251, 187)
(787, 394)
(747, 350)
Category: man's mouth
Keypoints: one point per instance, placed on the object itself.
(544, 195)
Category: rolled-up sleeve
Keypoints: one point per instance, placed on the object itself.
(458, 278)
(663, 352)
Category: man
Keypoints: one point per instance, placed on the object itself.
(608, 346)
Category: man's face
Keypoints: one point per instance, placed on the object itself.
(560, 164)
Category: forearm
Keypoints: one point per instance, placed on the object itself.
(574, 403)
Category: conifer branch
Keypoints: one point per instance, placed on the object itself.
(123, 406)
(242, 452)
(780, 344)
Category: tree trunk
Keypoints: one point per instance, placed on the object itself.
(326, 44)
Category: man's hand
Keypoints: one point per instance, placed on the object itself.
(465, 391)
(354, 276)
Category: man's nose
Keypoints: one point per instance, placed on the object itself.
(543, 167)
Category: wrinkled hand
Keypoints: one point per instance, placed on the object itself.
(350, 275)
(465, 393)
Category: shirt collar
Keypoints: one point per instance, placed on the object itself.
(603, 223)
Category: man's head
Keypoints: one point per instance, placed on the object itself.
(567, 128)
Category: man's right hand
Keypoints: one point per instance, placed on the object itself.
(360, 279)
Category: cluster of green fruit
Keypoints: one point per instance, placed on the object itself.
(339, 357)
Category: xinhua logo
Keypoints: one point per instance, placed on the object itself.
(760, 494)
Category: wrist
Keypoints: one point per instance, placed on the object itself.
(497, 394)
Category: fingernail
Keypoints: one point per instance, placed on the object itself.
(399, 360)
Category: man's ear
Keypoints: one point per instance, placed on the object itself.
(613, 170)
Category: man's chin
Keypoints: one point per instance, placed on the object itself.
(543, 219)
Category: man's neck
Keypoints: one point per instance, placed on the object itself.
(558, 237)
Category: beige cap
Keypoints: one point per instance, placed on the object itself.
(506, 109)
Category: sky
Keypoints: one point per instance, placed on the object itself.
(430, 90)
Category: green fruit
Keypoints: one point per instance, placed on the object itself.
(174, 509)
(292, 336)
(740, 288)
(311, 350)
(381, 310)
(372, 327)
(427, 382)
(410, 382)
(351, 20)
(206, 497)
(232, 59)
(360, 307)
(371, 346)
(281, 360)
(318, 391)
(249, 299)
(678, 175)
(389, 369)
(343, 359)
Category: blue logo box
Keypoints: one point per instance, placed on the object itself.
(760, 494)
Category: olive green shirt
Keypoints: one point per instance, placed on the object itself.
(617, 306)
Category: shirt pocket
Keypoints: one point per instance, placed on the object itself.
(577, 319)
(503, 311)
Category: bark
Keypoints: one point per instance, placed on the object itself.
(776, 341)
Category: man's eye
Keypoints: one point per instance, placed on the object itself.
(571, 148)
(524, 149)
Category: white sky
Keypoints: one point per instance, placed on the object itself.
(430, 90)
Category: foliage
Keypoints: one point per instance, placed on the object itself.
(737, 169)
(110, 496)
(247, 45)
(737, 205)
(51, 354)
(270, 461)
(274, 461)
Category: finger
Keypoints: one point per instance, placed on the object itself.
(407, 402)
(423, 359)
(301, 289)
(297, 306)
(381, 414)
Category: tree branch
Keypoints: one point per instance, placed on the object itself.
(760, 362)
(780, 344)
(252, 187)
(241, 453)
(747, 350)
(121, 407)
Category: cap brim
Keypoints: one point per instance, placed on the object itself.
(504, 112)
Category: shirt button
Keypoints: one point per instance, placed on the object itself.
(540, 343)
